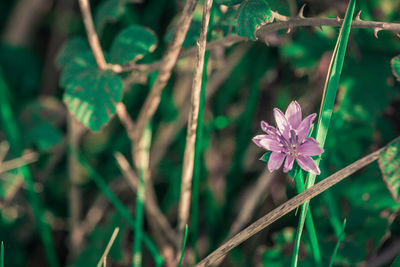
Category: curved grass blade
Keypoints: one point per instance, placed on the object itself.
(121, 209)
(340, 239)
(327, 103)
(183, 246)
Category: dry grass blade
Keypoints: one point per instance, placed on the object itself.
(25, 159)
(287, 207)
(102, 260)
(188, 158)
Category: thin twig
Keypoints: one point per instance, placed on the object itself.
(4, 147)
(169, 131)
(151, 204)
(107, 250)
(168, 62)
(287, 207)
(126, 120)
(25, 159)
(188, 158)
(92, 35)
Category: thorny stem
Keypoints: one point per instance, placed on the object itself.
(287, 207)
(188, 159)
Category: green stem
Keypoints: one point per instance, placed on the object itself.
(2, 255)
(13, 136)
(140, 197)
(299, 180)
(340, 239)
(198, 152)
(183, 246)
(326, 111)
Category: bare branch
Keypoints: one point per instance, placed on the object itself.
(168, 62)
(25, 159)
(188, 158)
(287, 207)
(92, 35)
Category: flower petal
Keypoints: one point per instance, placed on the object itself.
(275, 161)
(305, 126)
(271, 143)
(308, 164)
(293, 114)
(256, 139)
(268, 128)
(310, 147)
(282, 123)
(288, 163)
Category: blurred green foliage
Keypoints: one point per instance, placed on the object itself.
(366, 117)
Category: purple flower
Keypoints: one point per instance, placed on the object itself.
(289, 140)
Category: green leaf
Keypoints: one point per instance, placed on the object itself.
(389, 163)
(131, 44)
(192, 35)
(91, 94)
(252, 15)
(70, 49)
(228, 2)
(395, 62)
(266, 156)
(396, 262)
(108, 11)
(292, 173)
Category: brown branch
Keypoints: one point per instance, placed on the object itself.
(168, 62)
(188, 158)
(151, 204)
(287, 207)
(25, 159)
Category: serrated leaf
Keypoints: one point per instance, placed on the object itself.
(389, 163)
(70, 49)
(395, 62)
(228, 2)
(108, 11)
(266, 156)
(91, 94)
(131, 44)
(252, 15)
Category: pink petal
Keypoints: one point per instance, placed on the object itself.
(271, 143)
(282, 123)
(268, 128)
(293, 114)
(288, 163)
(275, 161)
(258, 138)
(308, 164)
(305, 126)
(310, 147)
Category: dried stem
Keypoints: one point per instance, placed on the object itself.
(25, 159)
(188, 159)
(151, 204)
(167, 63)
(103, 258)
(287, 207)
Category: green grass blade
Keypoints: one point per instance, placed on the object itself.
(121, 209)
(326, 111)
(340, 239)
(140, 198)
(183, 246)
(2, 255)
(299, 180)
(10, 128)
(198, 152)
